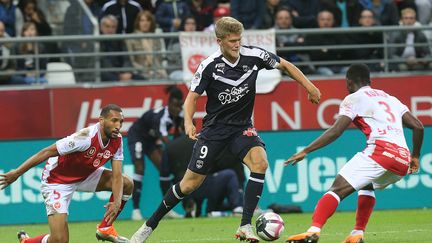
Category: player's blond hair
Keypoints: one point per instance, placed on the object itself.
(228, 25)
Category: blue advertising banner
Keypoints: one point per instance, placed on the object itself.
(300, 185)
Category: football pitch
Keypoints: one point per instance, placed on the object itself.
(390, 226)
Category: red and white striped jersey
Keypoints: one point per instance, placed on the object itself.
(379, 116)
(80, 155)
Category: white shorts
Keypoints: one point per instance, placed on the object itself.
(58, 196)
(361, 171)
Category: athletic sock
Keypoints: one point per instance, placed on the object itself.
(325, 208)
(125, 198)
(365, 205)
(252, 195)
(170, 200)
(136, 195)
(38, 239)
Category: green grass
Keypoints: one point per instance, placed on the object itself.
(400, 226)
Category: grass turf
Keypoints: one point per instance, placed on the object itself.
(400, 226)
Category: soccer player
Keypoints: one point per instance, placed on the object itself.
(75, 164)
(385, 160)
(229, 78)
(147, 135)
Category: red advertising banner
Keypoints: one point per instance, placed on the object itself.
(61, 111)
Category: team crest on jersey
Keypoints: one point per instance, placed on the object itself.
(57, 205)
(229, 96)
(245, 68)
(107, 154)
(71, 144)
(96, 162)
(199, 164)
(90, 152)
(220, 67)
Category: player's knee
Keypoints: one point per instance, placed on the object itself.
(127, 185)
(259, 166)
(58, 238)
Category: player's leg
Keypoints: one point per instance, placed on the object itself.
(250, 148)
(156, 157)
(200, 163)
(58, 228)
(365, 205)
(136, 149)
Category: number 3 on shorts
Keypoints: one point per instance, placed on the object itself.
(204, 150)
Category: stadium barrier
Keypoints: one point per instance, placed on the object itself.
(300, 185)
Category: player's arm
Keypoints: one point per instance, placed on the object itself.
(415, 124)
(117, 191)
(189, 111)
(41, 156)
(314, 94)
(326, 138)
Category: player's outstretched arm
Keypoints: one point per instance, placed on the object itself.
(415, 124)
(189, 109)
(314, 95)
(326, 138)
(8, 178)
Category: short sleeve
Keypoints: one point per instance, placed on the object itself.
(73, 143)
(269, 60)
(119, 154)
(201, 78)
(348, 107)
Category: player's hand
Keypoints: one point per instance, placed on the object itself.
(8, 178)
(111, 212)
(414, 166)
(191, 131)
(314, 96)
(295, 158)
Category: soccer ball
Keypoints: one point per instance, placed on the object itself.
(269, 226)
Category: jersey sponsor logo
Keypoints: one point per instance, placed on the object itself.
(199, 164)
(107, 154)
(220, 67)
(90, 152)
(233, 95)
(96, 162)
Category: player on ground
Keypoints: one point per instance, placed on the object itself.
(229, 79)
(75, 164)
(147, 135)
(385, 160)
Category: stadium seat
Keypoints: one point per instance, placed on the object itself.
(60, 73)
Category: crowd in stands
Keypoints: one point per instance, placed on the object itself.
(28, 18)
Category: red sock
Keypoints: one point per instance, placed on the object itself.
(104, 223)
(325, 208)
(37, 239)
(365, 205)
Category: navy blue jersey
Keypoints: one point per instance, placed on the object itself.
(153, 124)
(231, 87)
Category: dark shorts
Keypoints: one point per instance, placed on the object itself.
(139, 148)
(205, 151)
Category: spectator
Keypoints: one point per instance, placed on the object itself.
(248, 12)
(174, 62)
(202, 10)
(271, 8)
(304, 12)
(147, 65)
(385, 11)
(410, 53)
(346, 12)
(76, 22)
(125, 11)
(30, 65)
(284, 22)
(219, 12)
(225, 181)
(108, 25)
(7, 65)
(367, 19)
(424, 10)
(7, 16)
(325, 20)
(170, 14)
